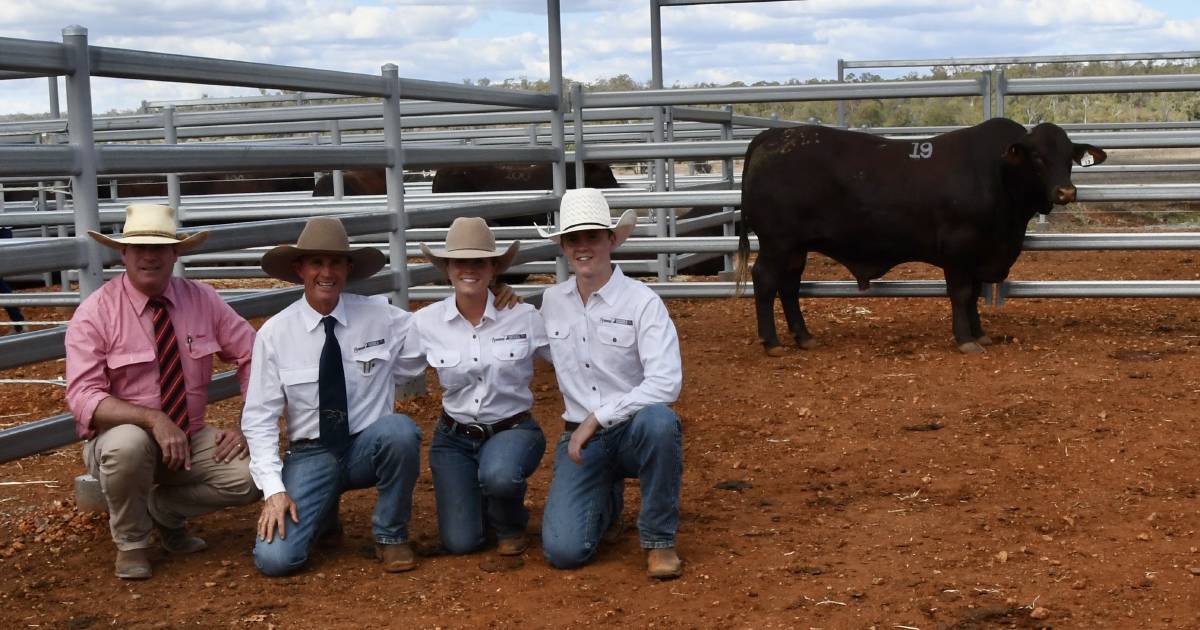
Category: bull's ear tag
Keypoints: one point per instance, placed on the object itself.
(1087, 159)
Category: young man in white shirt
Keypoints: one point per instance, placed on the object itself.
(330, 360)
(616, 356)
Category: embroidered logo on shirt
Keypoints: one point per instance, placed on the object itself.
(377, 342)
(616, 320)
(512, 337)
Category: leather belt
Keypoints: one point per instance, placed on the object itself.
(479, 430)
(569, 426)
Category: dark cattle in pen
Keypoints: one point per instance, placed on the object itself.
(364, 182)
(191, 184)
(960, 201)
(499, 177)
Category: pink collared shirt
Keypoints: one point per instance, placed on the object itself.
(110, 348)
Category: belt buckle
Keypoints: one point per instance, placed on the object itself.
(476, 431)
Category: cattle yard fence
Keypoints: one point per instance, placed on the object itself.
(443, 124)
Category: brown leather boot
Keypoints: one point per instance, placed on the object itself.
(664, 564)
(396, 558)
(513, 546)
(133, 564)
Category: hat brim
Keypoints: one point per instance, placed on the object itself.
(182, 242)
(622, 230)
(277, 262)
(440, 258)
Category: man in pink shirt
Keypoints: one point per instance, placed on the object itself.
(139, 362)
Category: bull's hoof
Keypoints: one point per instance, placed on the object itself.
(775, 351)
(984, 340)
(970, 347)
(808, 343)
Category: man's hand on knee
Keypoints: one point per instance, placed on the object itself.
(581, 436)
(274, 515)
(172, 441)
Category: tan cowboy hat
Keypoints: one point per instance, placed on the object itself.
(587, 209)
(470, 237)
(150, 224)
(322, 235)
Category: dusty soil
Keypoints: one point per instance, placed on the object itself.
(882, 480)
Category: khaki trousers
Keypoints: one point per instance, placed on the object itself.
(138, 487)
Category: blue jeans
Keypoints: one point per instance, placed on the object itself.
(473, 479)
(386, 455)
(584, 499)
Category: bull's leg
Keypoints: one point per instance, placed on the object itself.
(981, 337)
(789, 296)
(766, 274)
(960, 287)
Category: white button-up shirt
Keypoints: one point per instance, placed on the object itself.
(286, 364)
(484, 370)
(615, 355)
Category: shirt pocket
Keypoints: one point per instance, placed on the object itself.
(300, 386)
(136, 372)
(511, 349)
(201, 345)
(614, 335)
(448, 363)
(371, 364)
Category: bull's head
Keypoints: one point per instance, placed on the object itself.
(1048, 153)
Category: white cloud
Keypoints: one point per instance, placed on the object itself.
(501, 39)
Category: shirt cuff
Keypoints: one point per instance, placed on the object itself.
(606, 416)
(87, 412)
(272, 485)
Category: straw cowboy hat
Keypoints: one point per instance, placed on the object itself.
(586, 209)
(470, 237)
(150, 224)
(322, 235)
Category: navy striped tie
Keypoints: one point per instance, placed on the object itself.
(171, 386)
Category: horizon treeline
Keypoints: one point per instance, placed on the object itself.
(904, 112)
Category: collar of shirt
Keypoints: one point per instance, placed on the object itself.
(610, 292)
(312, 319)
(139, 300)
(450, 310)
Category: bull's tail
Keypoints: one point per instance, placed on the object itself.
(742, 260)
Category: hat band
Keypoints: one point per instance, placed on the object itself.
(600, 225)
(150, 233)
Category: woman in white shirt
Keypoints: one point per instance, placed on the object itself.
(486, 443)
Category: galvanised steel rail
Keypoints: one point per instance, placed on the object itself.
(1015, 60)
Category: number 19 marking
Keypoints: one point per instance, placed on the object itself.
(921, 150)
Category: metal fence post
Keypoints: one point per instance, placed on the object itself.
(727, 177)
(557, 139)
(335, 138)
(394, 176)
(986, 81)
(841, 105)
(577, 111)
(171, 136)
(1001, 87)
(83, 183)
(656, 82)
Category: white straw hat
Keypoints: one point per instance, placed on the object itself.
(470, 237)
(587, 209)
(150, 224)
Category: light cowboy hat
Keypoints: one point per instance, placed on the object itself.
(150, 224)
(587, 209)
(322, 235)
(470, 237)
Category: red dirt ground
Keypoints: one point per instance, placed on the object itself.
(886, 482)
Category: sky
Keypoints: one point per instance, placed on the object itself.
(507, 39)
